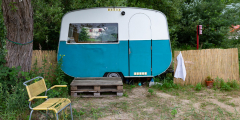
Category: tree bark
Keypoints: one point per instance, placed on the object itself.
(18, 19)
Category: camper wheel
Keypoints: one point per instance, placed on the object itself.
(113, 74)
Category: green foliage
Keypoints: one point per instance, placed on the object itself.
(198, 87)
(132, 86)
(174, 111)
(209, 78)
(151, 91)
(3, 50)
(156, 79)
(215, 26)
(125, 94)
(167, 84)
(47, 22)
(183, 16)
(83, 35)
(48, 15)
(226, 86)
(76, 4)
(76, 113)
(59, 79)
(13, 95)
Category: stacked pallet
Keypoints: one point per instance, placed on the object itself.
(96, 87)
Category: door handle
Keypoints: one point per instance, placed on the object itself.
(129, 51)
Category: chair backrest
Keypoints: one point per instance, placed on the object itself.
(36, 88)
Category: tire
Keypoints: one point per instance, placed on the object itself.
(114, 74)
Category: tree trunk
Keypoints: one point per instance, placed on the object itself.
(18, 19)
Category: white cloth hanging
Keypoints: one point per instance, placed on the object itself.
(181, 70)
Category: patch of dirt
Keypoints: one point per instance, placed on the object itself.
(143, 104)
(138, 102)
(197, 105)
(138, 92)
(149, 110)
(185, 102)
(209, 107)
(164, 95)
(200, 94)
(226, 107)
(103, 100)
(122, 116)
(229, 97)
(236, 101)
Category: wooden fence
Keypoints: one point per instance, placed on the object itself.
(47, 57)
(222, 63)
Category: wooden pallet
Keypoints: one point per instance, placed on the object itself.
(96, 87)
(95, 94)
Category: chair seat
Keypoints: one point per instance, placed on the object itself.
(55, 104)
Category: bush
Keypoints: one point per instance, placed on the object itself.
(198, 87)
(227, 86)
(13, 95)
(150, 91)
(167, 84)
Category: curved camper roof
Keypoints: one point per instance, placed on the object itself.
(158, 20)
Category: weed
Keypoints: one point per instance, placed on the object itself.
(198, 87)
(167, 84)
(128, 87)
(125, 94)
(122, 105)
(151, 91)
(174, 111)
(79, 114)
(177, 94)
(205, 104)
(220, 110)
(156, 79)
(231, 104)
(132, 86)
(223, 99)
(234, 84)
(226, 86)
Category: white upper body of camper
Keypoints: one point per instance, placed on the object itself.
(158, 21)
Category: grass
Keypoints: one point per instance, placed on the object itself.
(182, 102)
(156, 107)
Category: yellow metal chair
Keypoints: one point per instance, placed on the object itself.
(54, 104)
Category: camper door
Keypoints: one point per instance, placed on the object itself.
(140, 45)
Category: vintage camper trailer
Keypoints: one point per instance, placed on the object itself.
(114, 42)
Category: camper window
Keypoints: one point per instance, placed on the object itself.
(93, 33)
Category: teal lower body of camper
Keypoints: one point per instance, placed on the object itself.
(134, 58)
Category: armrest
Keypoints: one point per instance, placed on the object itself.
(58, 86)
(37, 97)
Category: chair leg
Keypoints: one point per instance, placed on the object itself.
(71, 111)
(47, 115)
(57, 115)
(30, 114)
